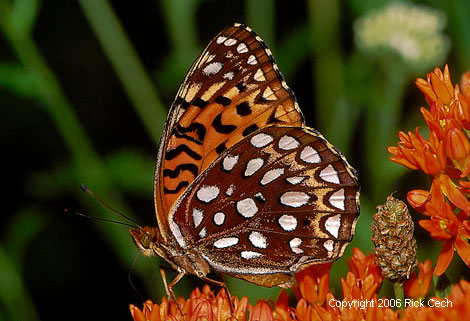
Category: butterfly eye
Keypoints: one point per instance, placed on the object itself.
(142, 239)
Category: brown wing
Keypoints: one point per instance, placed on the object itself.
(281, 199)
(231, 90)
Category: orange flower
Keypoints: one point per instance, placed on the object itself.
(261, 312)
(460, 297)
(201, 305)
(465, 84)
(445, 156)
(450, 228)
(362, 266)
(314, 283)
(282, 310)
(415, 152)
(418, 285)
(437, 88)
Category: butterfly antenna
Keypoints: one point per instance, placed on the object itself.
(101, 219)
(84, 188)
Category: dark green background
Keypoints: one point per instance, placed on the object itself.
(79, 105)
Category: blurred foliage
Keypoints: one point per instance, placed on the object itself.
(85, 87)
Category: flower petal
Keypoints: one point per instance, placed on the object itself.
(445, 258)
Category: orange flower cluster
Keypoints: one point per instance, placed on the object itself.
(200, 306)
(315, 300)
(445, 157)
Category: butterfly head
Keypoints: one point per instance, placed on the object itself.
(146, 239)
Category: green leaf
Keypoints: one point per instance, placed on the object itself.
(132, 171)
(18, 80)
(293, 51)
(24, 226)
(23, 16)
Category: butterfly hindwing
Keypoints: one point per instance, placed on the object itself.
(280, 199)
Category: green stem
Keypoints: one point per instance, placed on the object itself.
(381, 123)
(336, 117)
(260, 17)
(129, 69)
(399, 293)
(181, 25)
(13, 294)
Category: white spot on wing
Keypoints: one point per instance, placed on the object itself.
(328, 245)
(310, 155)
(333, 224)
(230, 42)
(226, 242)
(337, 199)
(198, 215)
(202, 233)
(250, 254)
(258, 240)
(219, 218)
(242, 48)
(230, 190)
(207, 194)
(294, 199)
(329, 174)
(294, 245)
(212, 68)
(287, 142)
(294, 180)
(288, 222)
(271, 175)
(221, 39)
(210, 58)
(252, 60)
(261, 140)
(229, 162)
(229, 75)
(247, 207)
(260, 196)
(253, 166)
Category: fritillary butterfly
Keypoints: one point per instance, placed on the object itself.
(242, 186)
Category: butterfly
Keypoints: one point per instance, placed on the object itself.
(242, 186)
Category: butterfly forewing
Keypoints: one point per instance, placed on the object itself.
(280, 199)
(233, 89)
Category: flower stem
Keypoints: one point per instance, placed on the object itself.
(399, 293)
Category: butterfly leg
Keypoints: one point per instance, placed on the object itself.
(223, 285)
(169, 289)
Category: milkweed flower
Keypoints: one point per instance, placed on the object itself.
(413, 32)
(313, 283)
(445, 157)
(418, 285)
(202, 305)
